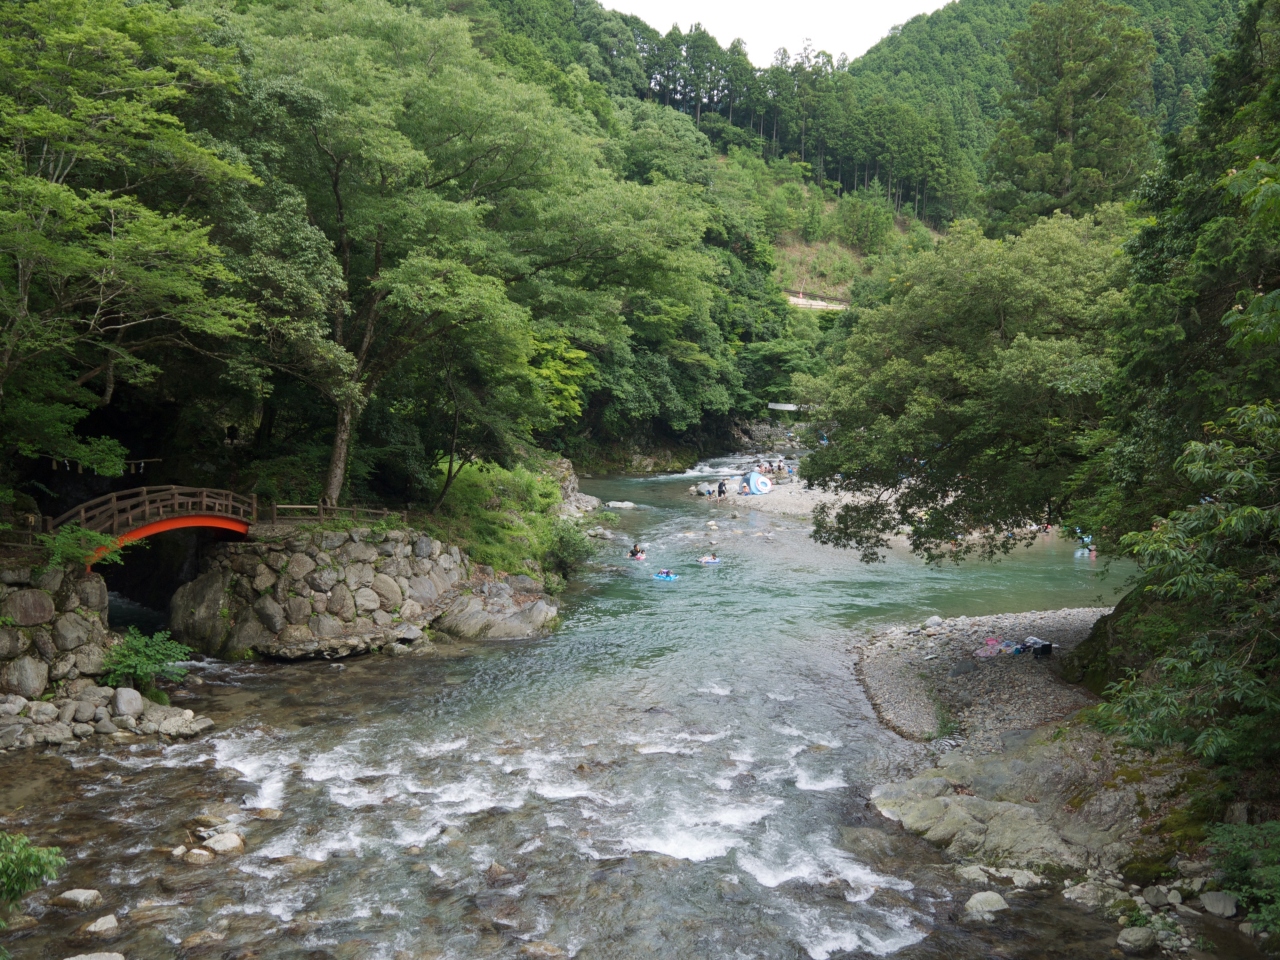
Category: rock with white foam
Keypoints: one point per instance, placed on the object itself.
(225, 844)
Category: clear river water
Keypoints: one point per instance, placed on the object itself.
(680, 771)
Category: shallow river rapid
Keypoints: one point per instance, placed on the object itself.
(679, 772)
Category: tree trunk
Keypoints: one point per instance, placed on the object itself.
(449, 474)
(262, 440)
(341, 450)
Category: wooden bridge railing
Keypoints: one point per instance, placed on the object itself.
(301, 512)
(118, 513)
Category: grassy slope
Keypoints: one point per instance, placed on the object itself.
(503, 518)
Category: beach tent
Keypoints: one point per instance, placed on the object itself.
(758, 484)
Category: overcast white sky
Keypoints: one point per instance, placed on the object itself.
(837, 26)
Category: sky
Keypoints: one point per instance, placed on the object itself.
(837, 26)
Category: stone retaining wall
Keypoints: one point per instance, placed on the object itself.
(291, 593)
(54, 628)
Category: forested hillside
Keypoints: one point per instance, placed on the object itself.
(352, 250)
(916, 112)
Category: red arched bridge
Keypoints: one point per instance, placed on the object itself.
(133, 514)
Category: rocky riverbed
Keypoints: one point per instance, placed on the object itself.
(1022, 794)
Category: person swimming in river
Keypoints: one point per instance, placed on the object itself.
(636, 551)
(711, 559)
(664, 572)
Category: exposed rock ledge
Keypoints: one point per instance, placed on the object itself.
(1057, 797)
(294, 593)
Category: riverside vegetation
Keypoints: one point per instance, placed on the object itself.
(412, 254)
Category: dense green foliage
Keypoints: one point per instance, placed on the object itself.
(23, 867)
(916, 112)
(72, 544)
(139, 660)
(954, 404)
(1076, 134)
(1120, 387)
(1249, 856)
(501, 517)
(386, 254)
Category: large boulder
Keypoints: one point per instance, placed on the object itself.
(13, 643)
(199, 615)
(388, 591)
(70, 631)
(1219, 904)
(25, 676)
(297, 610)
(342, 604)
(271, 614)
(27, 608)
(126, 702)
(984, 904)
(367, 600)
(971, 826)
(358, 575)
(324, 579)
(473, 618)
(422, 590)
(91, 660)
(352, 553)
(1136, 941)
(299, 566)
(92, 591)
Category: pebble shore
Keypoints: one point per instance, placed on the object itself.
(926, 683)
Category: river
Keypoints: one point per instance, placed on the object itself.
(679, 771)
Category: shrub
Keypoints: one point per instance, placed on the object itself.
(1249, 856)
(71, 544)
(140, 659)
(569, 547)
(24, 867)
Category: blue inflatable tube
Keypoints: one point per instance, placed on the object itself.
(668, 576)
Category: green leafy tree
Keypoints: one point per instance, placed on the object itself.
(1215, 687)
(398, 167)
(1079, 127)
(95, 269)
(954, 407)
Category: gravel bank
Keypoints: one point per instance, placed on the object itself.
(925, 680)
(791, 499)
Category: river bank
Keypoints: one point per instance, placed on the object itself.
(1021, 793)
